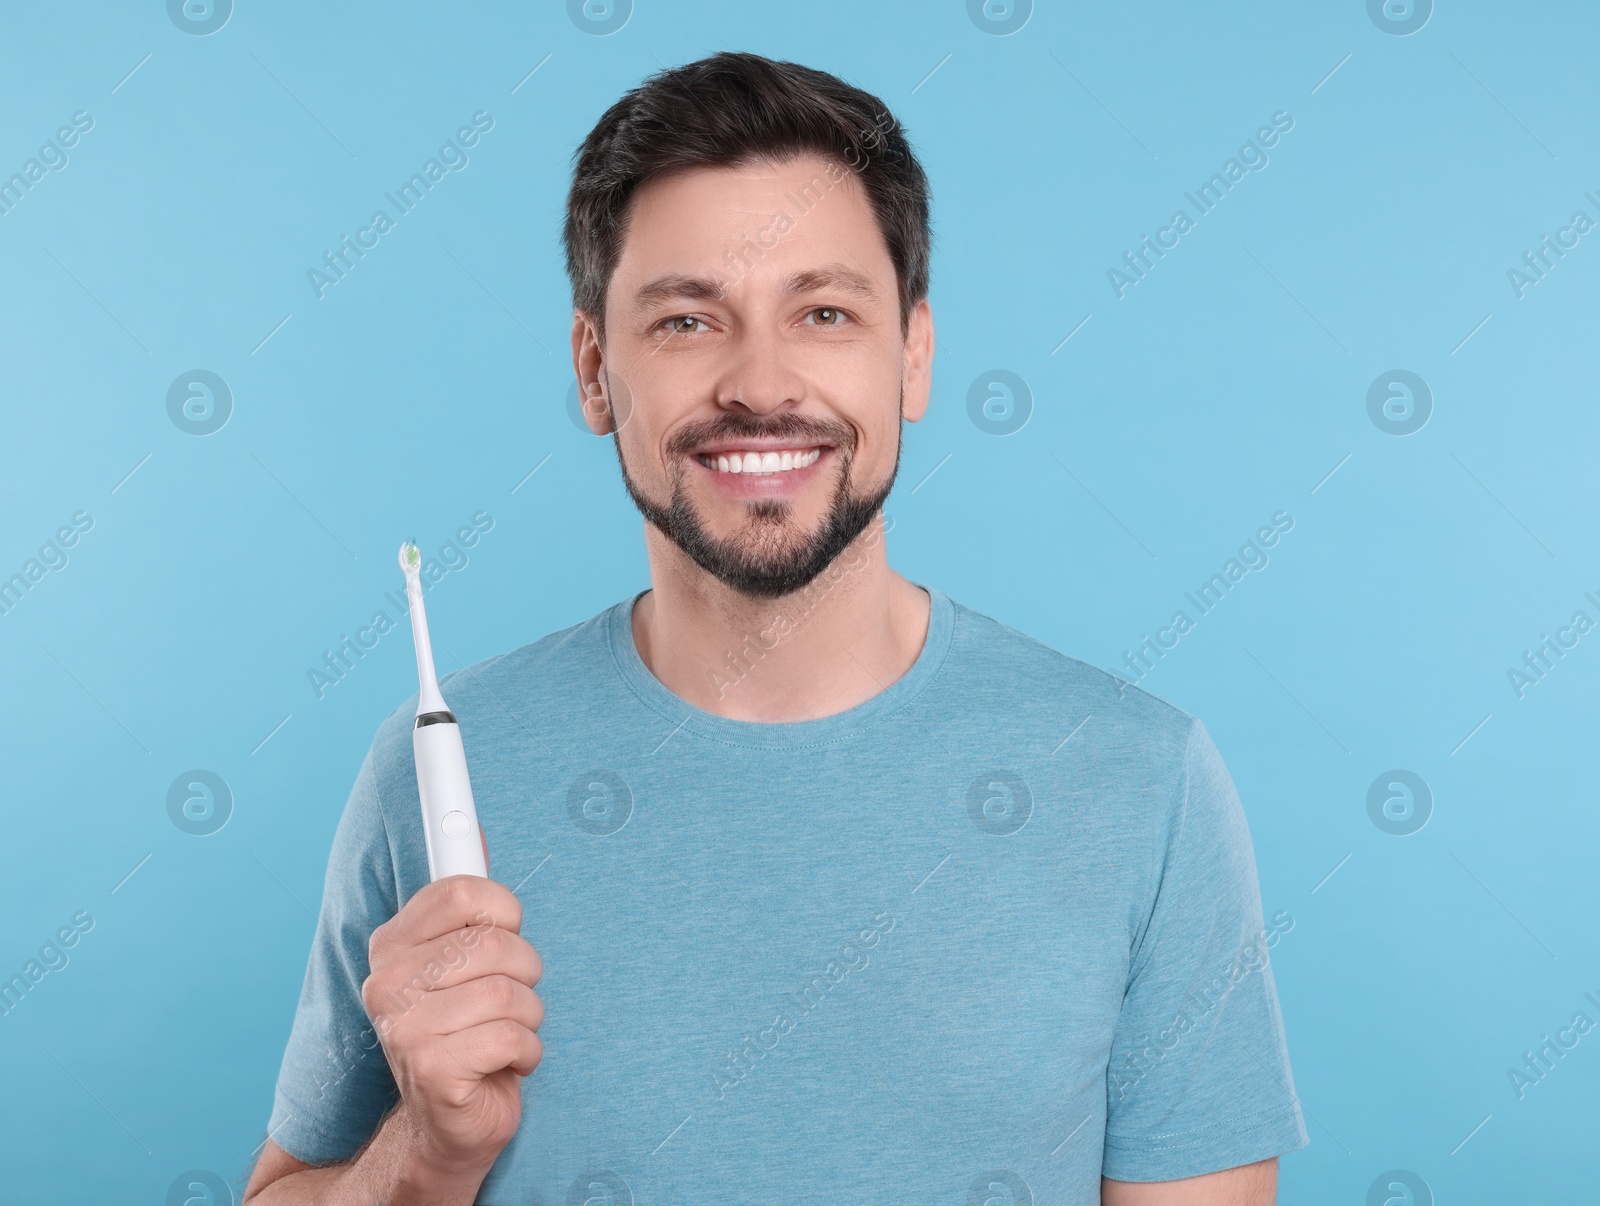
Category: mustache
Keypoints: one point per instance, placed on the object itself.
(735, 426)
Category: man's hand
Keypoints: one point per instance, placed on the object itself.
(451, 996)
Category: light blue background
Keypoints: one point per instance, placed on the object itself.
(1173, 423)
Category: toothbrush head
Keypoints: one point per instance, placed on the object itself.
(410, 558)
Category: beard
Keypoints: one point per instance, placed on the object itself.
(770, 557)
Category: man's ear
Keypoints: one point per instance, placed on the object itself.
(917, 381)
(588, 363)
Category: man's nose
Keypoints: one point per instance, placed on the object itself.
(760, 373)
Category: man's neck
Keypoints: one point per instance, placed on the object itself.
(848, 636)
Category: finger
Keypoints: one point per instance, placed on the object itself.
(490, 1046)
(457, 958)
(446, 905)
(403, 978)
(452, 1010)
(476, 951)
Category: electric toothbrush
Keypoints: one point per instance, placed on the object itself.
(449, 820)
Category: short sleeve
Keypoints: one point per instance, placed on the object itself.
(1199, 1076)
(334, 1085)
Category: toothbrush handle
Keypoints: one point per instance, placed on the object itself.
(449, 819)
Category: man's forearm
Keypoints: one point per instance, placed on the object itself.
(1247, 1185)
(394, 1169)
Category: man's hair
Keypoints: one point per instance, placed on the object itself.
(726, 111)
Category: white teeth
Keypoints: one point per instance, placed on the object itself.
(761, 462)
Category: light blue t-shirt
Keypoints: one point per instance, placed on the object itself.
(983, 938)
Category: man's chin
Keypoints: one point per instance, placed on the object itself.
(749, 565)
(755, 565)
(757, 575)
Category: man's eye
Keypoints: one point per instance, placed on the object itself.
(827, 316)
(683, 324)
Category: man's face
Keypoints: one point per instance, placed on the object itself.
(754, 367)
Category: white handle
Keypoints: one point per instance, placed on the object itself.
(449, 820)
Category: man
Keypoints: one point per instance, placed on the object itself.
(842, 891)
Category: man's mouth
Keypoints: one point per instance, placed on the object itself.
(759, 461)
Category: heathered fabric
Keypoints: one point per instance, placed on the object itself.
(995, 930)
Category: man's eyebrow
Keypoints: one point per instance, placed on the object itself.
(677, 284)
(835, 277)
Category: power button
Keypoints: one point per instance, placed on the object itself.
(455, 824)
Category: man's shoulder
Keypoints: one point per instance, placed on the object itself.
(1004, 667)
(517, 687)
(545, 662)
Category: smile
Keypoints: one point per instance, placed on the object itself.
(757, 463)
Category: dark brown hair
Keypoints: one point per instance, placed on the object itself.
(725, 111)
